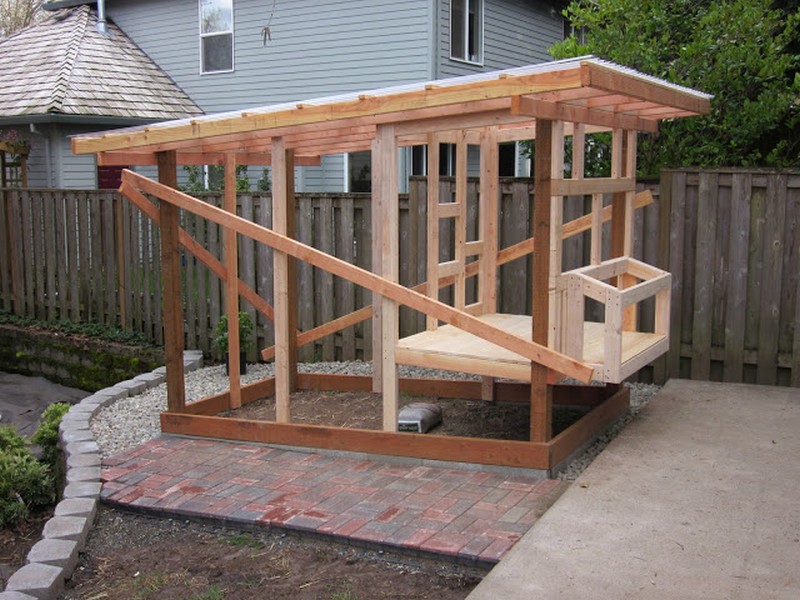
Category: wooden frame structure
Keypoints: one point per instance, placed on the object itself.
(549, 103)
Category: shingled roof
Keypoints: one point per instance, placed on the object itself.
(63, 66)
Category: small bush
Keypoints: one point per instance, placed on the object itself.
(12, 442)
(24, 481)
(47, 434)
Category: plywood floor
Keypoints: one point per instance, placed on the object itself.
(452, 349)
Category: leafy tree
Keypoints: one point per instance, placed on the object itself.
(16, 14)
(745, 52)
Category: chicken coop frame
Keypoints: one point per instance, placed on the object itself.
(547, 103)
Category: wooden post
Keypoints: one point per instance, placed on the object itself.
(384, 168)
(285, 285)
(171, 284)
(433, 188)
(232, 284)
(489, 198)
(623, 164)
(541, 392)
(377, 268)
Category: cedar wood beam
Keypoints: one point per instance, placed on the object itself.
(533, 351)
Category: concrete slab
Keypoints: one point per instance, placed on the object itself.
(697, 498)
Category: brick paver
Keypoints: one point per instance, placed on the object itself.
(465, 514)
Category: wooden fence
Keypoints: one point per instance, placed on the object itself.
(731, 239)
(91, 256)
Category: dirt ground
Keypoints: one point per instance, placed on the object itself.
(16, 541)
(470, 418)
(139, 557)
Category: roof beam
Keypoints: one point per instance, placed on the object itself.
(142, 159)
(400, 106)
(578, 114)
(616, 81)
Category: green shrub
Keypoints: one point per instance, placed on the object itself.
(47, 434)
(24, 483)
(12, 442)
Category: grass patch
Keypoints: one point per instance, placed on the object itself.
(214, 592)
(244, 541)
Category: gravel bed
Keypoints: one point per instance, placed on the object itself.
(132, 421)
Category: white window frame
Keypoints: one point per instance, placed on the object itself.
(478, 60)
(202, 36)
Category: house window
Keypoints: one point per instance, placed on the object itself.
(359, 169)
(466, 30)
(216, 36)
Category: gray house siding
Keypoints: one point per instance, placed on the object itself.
(316, 49)
(51, 163)
(516, 32)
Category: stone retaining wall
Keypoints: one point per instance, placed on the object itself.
(78, 362)
(54, 558)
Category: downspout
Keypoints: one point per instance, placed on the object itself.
(102, 26)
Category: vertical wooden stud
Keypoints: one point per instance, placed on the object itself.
(285, 285)
(171, 283)
(556, 244)
(488, 226)
(541, 392)
(432, 259)
(385, 194)
(489, 198)
(460, 233)
(232, 283)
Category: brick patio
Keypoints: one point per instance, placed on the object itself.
(464, 514)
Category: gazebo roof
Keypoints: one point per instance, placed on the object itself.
(63, 67)
(588, 90)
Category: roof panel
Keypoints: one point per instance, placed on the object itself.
(484, 99)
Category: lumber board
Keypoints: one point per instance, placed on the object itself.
(593, 185)
(585, 429)
(432, 234)
(489, 196)
(541, 419)
(559, 111)
(371, 281)
(171, 284)
(451, 99)
(285, 291)
(217, 403)
(230, 241)
(605, 78)
(449, 448)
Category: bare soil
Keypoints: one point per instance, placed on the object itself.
(362, 410)
(17, 540)
(141, 557)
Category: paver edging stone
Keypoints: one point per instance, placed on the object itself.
(36, 580)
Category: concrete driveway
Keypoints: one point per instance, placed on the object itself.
(699, 497)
